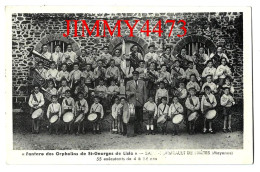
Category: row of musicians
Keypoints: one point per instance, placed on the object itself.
(113, 72)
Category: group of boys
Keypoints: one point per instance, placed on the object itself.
(155, 86)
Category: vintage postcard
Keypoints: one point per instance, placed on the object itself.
(124, 85)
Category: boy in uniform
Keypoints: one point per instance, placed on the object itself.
(81, 107)
(161, 92)
(96, 107)
(208, 102)
(193, 83)
(192, 70)
(175, 109)
(63, 74)
(82, 87)
(192, 104)
(68, 105)
(151, 56)
(150, 109)
(112, 72)
(112, 90)
(209, 83)
(99, 72)
(36, 101)
(115, 116)
(177, 73)
(163, 110)
(54, 109)
(105, 56)
(52, 73)
(61, 91)
(75, 76)
(227, 101)
(89, 76)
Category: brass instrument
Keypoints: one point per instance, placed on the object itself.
(38, 57)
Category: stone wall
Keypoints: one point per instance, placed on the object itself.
(33, 30)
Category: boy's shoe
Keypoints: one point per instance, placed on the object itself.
(212, 132)
(65, 132)
(229, 130)
(77, 133)
(173, 134)
(176, 133)
(94, 132)
(224, 130)
(204, 131)
(83, 132)
(98, 132)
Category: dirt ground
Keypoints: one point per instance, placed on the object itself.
(24, 140)
(44, 141)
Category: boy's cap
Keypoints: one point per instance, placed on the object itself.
(135, 72)
(152, 45)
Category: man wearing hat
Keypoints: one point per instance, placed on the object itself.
(151, 56)
(137, 94)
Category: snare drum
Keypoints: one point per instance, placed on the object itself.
(193, 116)
(79, 118)
(54, 119)
(68, 117)
(177, 119)
(37, 113)
(93, 117)
(211, 114)
(161, 119)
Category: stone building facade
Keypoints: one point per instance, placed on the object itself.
(203, 29)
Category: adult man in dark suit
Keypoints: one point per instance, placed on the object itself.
(137, 94)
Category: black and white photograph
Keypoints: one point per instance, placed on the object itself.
(129, 81)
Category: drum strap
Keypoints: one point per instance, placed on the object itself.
(176, 109)
(66, 102)
(207, 99)
(191, 101)
(164, 108)
(35, 98)
(177, 71)
(96, 108)
(53, 110)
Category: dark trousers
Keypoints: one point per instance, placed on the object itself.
(138, 119)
